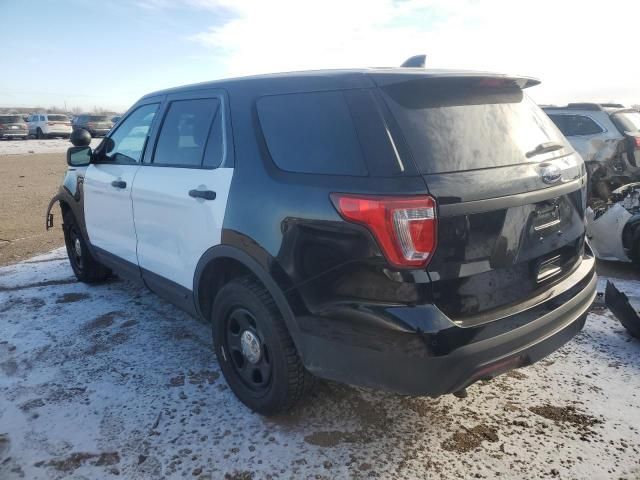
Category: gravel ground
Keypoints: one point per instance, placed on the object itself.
(110, 380)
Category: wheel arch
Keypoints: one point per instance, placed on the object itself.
(221, 263)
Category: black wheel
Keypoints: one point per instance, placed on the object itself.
(86, 268)
(40, 134)
(255, 351)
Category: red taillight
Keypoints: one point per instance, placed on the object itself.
(637, 140)
(405, 227)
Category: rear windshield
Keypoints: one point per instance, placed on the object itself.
(58, 118)
(11, 119)
(452, 126)
(628, 121)
(98, 118)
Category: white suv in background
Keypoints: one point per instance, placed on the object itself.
(46, 125)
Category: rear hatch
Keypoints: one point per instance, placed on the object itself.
(99, 122)
(12, 124)
(58, 122)
(510, 190)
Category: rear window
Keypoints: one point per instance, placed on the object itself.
(311, 133)
(98, 118)
(575, 125)
(627, 122)
(452, 126)
(58, 118)
(11, 119)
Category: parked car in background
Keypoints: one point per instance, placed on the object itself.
(116, 119)
(96, 125)
(47, 125)
(370, 226)
(13, 126)
(607, 135)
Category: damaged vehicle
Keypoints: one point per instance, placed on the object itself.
(624, 308)
(368, 226)
(613, 227)
(607, 136)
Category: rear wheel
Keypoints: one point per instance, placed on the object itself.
(86, 268)
(40, 134)
(255, 351)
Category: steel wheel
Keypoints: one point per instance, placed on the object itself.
(249, 354)
(75, 249)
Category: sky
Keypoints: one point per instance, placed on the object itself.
(108, 54)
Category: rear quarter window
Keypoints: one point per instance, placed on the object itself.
(575, 125)
(311, 133)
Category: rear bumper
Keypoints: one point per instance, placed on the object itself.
(14, 134)
(419, 351)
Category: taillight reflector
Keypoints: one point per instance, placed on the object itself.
(404, 227)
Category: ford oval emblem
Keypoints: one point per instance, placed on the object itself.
(551, 174)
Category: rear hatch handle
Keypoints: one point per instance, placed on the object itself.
(544, 148)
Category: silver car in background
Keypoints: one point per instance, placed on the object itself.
(607, 136)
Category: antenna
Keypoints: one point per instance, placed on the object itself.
(417, 61)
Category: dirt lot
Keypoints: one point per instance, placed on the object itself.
(27, 183)
(30, 173)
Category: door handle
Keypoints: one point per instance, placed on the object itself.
(206, 194)
(119, 184)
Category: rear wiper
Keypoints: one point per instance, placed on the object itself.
(544, 148)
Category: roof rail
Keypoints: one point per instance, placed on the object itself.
(417, 61)
(584, 106)
(612, 105)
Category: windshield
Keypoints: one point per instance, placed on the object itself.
(452, 126)
(58, 118)
(98, 118)
(628, 121)
(11, 119)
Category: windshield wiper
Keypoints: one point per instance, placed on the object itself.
(546, 147)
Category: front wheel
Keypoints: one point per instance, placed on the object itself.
(86, 268)
(255, 351)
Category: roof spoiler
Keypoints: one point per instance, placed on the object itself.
(417, 61)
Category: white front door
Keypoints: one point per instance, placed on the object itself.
(108, 181)
(179, 199)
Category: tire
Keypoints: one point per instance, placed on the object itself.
(273, 380)
(39, 134)
(86, 268)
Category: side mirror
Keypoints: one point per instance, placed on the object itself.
(79, 156)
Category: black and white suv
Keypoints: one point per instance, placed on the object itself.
(401, 229)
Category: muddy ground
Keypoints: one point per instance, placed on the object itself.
(27, 183)
(109, 381)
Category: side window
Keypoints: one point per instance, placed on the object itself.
(190, 128)
(42, 118)
(311, 133)
(573, 125)
(127, 142)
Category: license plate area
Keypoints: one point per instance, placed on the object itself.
(547, 217)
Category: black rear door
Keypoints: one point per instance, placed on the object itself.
(509, 187)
